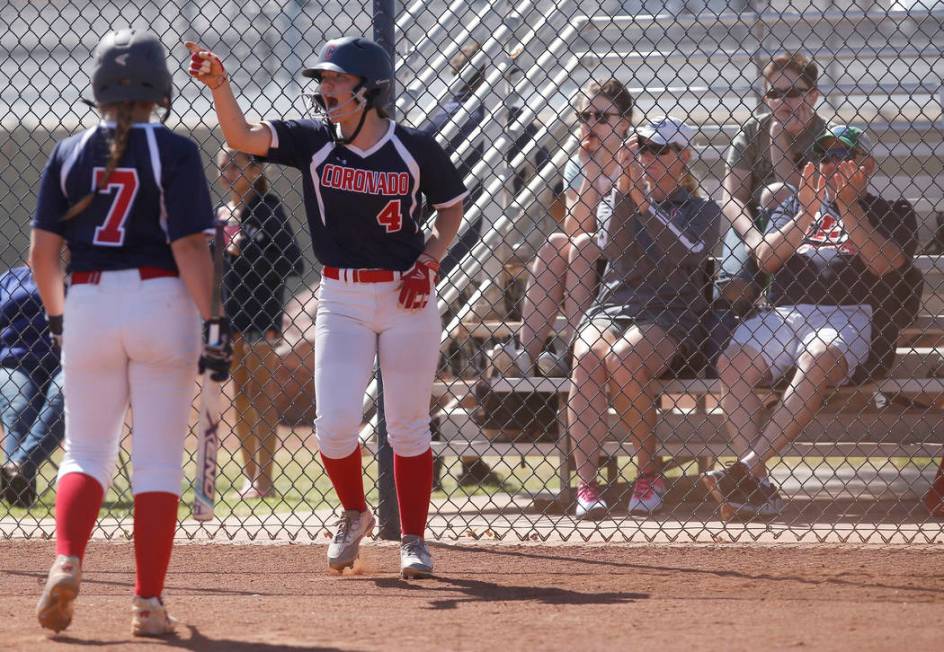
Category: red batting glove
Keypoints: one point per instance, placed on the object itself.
(206, 66)
(418, 282)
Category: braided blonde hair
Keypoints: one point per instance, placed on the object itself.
(119, 142)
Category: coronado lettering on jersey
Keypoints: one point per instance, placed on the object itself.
(365, 181)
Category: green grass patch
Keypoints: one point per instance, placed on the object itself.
(303, 486)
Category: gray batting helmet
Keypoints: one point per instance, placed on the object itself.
(359, 56)
(131, 66)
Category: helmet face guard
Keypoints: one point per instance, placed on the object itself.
(316, 106)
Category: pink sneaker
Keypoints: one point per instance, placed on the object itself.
(590, 503)
(648, 491)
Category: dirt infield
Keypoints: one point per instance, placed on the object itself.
(494, 596)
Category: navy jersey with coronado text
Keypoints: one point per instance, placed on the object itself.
(363, 206)
(156, 195)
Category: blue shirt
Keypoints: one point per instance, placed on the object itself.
(438, 121)
(363, 207)
(156, 195)
(24, 335)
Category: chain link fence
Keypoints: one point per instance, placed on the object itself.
(672, 337)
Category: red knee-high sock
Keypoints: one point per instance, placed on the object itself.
(155, 519)
(347, 476)
(78, 499)
(414, 479)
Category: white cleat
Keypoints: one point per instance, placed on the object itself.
(149, 617)
(508, 361)
(54, 610)
(346, 545)
(415, 560)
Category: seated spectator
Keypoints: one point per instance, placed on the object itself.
(262, 253)
(565, 269)
(840, 260)
(31, 403)
(786, 129)
(656, 235)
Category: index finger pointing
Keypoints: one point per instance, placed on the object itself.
(193, 47)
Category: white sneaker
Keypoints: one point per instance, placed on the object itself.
(552, 365)
(648, 494)
(346, 545)
(590, 504)
(149, 617)
(507, 360)
(54, 610)
(415, 560)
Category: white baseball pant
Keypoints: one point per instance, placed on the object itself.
(356, 322)
(128, 341)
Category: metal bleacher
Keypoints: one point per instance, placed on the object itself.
(881, 70)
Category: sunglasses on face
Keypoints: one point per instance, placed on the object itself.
(588, 117)
(654, 149)
(781, 93)
(837, 154)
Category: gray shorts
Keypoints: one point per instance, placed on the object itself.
(782, 334)
(684, 329)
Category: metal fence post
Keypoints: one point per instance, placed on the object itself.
(388, 511)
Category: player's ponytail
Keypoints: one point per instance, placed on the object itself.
(119, 142)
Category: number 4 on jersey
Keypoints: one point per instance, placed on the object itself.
(125, 180)
(390, 217)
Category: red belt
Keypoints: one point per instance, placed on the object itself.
(361, 275)
(146, 273)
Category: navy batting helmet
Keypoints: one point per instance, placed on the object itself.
(358, 56)
(131, 66)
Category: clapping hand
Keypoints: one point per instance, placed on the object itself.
(850, 182)
(588, 153)
(631, 181)
(812, 191)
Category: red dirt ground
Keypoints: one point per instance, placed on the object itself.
(502, 597)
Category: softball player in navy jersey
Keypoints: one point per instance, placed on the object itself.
(130, 200)
(362, 177)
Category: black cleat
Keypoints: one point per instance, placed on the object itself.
(740, 494)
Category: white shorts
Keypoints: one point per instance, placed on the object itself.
(783, 334)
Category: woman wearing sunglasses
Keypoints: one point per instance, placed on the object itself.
(656, 235)
(564, 271)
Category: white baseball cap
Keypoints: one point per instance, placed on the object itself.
(667, 131)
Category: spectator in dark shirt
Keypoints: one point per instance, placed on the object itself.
(31, 403)
(841, 266)
(437, 122)
(261, 254)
